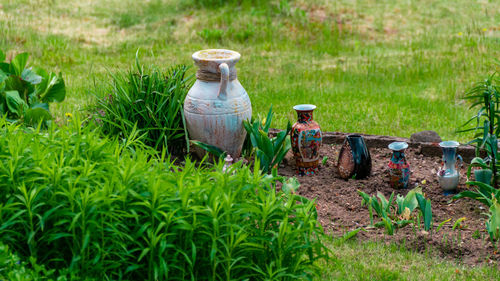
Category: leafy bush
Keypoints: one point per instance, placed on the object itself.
(493, 223)
(116, 211)
(489, 196)
(25, 93)
(269, 151)
(12, 268)
(486, 97)
(149, 101)
(394, 217)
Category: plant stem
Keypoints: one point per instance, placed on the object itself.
(493, 146)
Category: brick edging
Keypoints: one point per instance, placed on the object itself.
(425, 148)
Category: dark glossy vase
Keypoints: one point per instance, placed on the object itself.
(354, 158)
(306, 138)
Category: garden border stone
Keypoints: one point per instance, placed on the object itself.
(425, 148)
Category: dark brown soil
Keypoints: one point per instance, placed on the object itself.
(340, 210)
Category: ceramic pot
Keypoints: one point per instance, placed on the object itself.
(399, 168)
(483, 175)
(217, 104)
(354, 158)
(306, 140)
(448, 175)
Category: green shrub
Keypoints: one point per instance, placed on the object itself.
(148, 100)
(485, 96)
(111, 210)
(25, 93)
(12, 268)
(397, 216)
(269, 151)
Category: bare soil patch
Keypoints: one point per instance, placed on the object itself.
(340, 210)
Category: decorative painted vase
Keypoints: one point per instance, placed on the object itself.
(399, 168)
(217, 104)
(448, 175)
(306, 140)
(354, 158)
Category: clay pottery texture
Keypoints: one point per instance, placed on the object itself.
(217, 104)
(306, 140)
(399, 168)
(354, 158)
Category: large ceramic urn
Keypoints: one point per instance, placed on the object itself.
(306, 138)
(217, 104)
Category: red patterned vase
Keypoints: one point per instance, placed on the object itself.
(306, 140)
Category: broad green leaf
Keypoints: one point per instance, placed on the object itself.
(30, 76)
(219, 153)
(2, 56)
(278, 140)
(3, 76)
(34, 116)
(290, 185)
(267, 146)
(5, 67)
(41, 105)
(52, 90)
(14, 83)
(18, 64)
(428, 215)
(14, 102)
(493, 225)
(410, 200)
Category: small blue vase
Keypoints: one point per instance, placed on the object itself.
(448, 175)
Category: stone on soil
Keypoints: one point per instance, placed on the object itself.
(425, 136)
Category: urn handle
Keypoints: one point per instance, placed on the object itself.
(461, 160)
(224, 78)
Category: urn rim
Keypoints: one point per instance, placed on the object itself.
(398, 145)
(449, 144)
(304, 107)
(216, 55)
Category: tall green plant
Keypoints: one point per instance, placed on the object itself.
(485, 96)
(493, 223)
(25, 93)
(147, 99)
(269, 151)
(110, 210)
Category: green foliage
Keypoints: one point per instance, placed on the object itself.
(489, 196)
(483, 193)
(493, 223)
(211, 35)
(426, 210)
(485, 96)
(149, 100)
(400, 215)
(217, 152)
(112, 210)
(25, 93)
(269, 151)
(12, 268)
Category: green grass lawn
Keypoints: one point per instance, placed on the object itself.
(371, 66)
(377, 261)
(378, 67)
